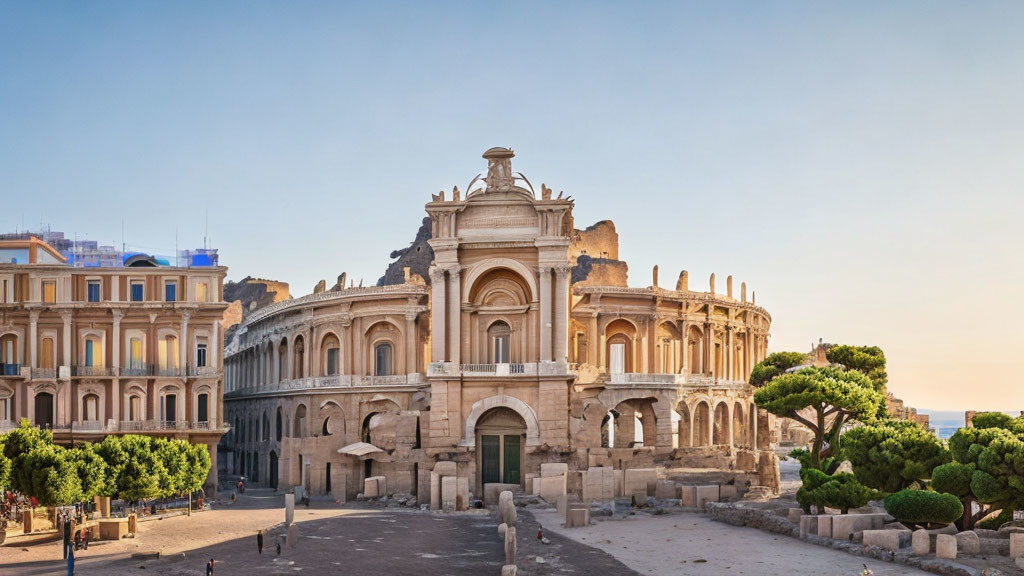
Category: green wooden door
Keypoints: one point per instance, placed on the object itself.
(491, 455)
(511, 459)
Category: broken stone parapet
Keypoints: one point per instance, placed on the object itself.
(921, 542)
(968, 543)
(844, 525)
(887, 539)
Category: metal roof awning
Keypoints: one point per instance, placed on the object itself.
(359, 449)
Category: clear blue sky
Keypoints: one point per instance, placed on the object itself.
(859, 165)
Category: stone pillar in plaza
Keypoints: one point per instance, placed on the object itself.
(410, 342)
(560, 331)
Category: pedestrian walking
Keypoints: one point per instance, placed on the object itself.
(78, 540)
(209, 568)
(259, 541)
(71, 563)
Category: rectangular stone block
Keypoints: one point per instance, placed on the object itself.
(945, 546)
(617, 474)
(576, 517)
(551, 487)
(289, 509)
(727, 492)
(113, 529)
(1016, 544)
(794, 515)
(640, 482)
(446, 468)
(449, 493)
(492, 491)
(462, 493)
(886, 539)
(921, 542)
(535, 486)
(553, 469)
(707, 494)
(808, 525)
(293, 535)
(435, 491)
(688, 496)
(370, 488)
(844, 525)
(599, 483)
(666, 490)
(825, 525)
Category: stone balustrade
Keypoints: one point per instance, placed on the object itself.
(637, 379)
(329, 382)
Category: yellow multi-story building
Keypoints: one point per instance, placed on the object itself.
(92, 351)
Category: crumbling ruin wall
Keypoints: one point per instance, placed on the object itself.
(259, 290)
(599, 272)
(417, 257)
(597, 241)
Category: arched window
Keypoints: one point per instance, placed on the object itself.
(203, 408)
(618, 355)
(135, 408)
(297, 368)
(266, 427)
(331, 350)
(299, 426)
(90, 408)
(279, 430)
(325, 431)
(382, 359)
(499, 336)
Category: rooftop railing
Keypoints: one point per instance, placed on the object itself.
(44, 373)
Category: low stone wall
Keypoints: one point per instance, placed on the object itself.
(769, 521)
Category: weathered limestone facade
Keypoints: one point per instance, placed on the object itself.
(507, 357)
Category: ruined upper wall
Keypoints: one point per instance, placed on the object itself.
(597, 241)
(258, 291)
(417, 257)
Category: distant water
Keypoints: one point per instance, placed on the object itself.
(946, 422)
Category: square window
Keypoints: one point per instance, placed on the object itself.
(93, 290)
(201, 292)
(138, 291)
(170, 291)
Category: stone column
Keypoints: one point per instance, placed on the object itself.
(437, 315)
(410, 342)
(593, 340)
(213, 355)
(184, 347)
(64, 416)
(115, 404)
(546, 325)
(275, 360)
(307, 352)
(560, 333)
(33, 341)
(730, 355)
(684, 356)
(709, 349)
(454, 315)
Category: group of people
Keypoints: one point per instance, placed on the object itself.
(13, 505)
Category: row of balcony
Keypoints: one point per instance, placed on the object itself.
(135, 370)
(112, 426)
(346, 381)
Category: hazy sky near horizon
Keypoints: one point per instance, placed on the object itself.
(859, 165)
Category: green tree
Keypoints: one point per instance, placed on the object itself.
(868, 360)
(5, 467)
(994, 457)
(923, 507)
(894, 455)
(840, 490)
(999, 420)
(135, 471)
(25, 438)
(833, 395)
(49, 474)
(774, 365)
(199, 463)
(92, 470)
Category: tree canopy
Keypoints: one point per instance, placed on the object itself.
(833, 394)
(775, 364)
(892, 456)
(868, 360)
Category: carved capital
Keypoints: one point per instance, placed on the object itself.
(33, 315)
(117, 314)
(436, 274)
(66, 315)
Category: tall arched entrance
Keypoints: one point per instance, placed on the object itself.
(272, 473)
(500, 441)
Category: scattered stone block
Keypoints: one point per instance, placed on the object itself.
(289, 509)
(293, 535)
(510, 545)
(1019, 560)
(666, 490)
(945, 546)
(639, 482)
(794, 515)
(745, 460)
(133, 524)
(688, 496)
(435, 491)
(551, 487)
(446, 468)
(576, 517)
(449, 493)
(618, 479)
(492, 491)
(462, 493)
(707, 494)
(509, 570)
(825, 525)
(886, 539)
(370, 488)
(507, 508)
(808, 525)
(968, 543)
(599, 483)
(113, 529)
(1016, 545)
(921, 542)
(844, 525)
(501, 529)
(727, 492)
(553, 469)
